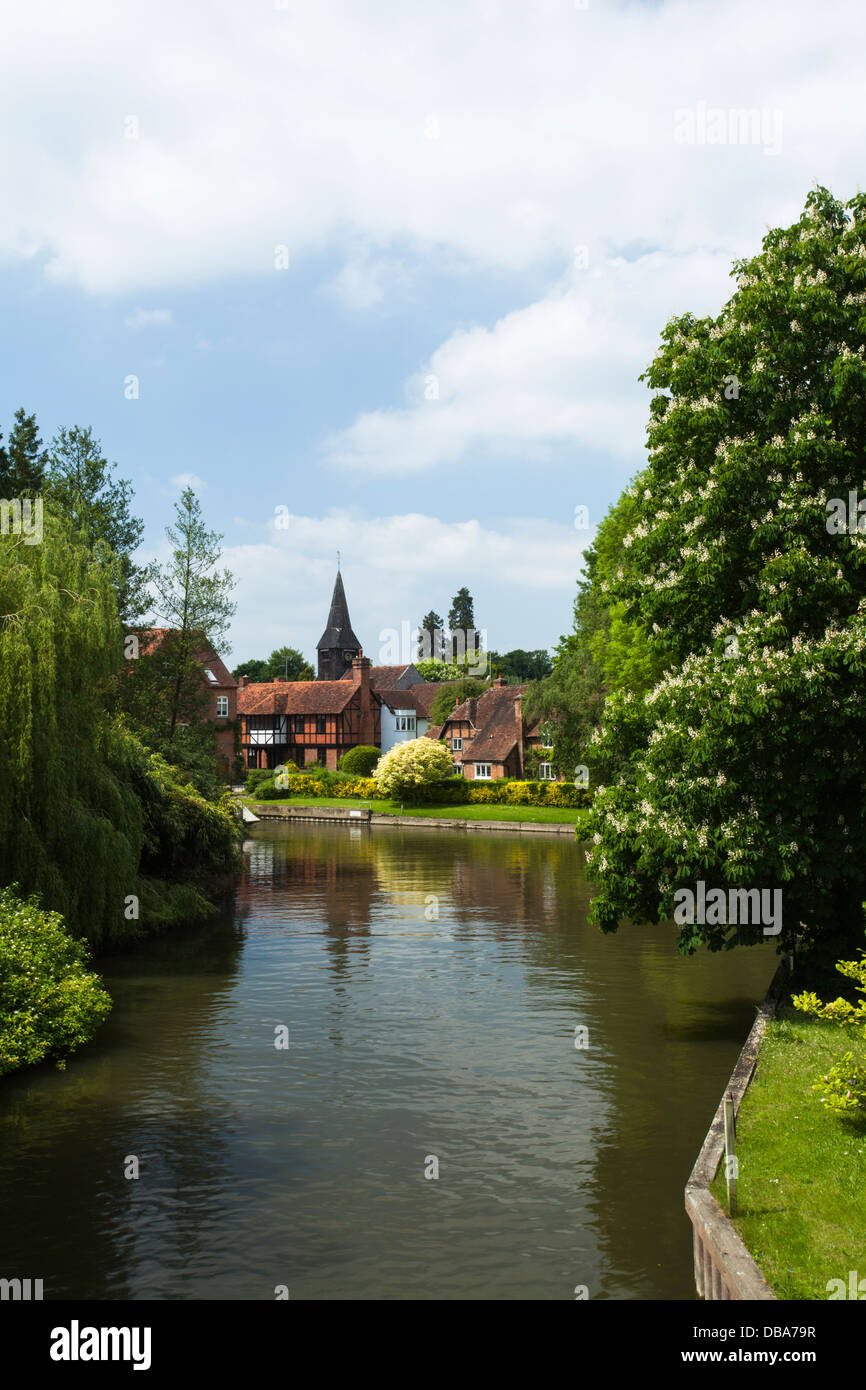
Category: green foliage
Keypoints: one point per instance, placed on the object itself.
(407, 768)
(193, 599)
(287, 663)
(606, 651)
(360, 761)
(518, 667)
(434, 670)
(22, 460)
(80, 486)
(431, 644)
(454, 694)
(50, 1002)
(843, 1087)
(87, 815)
(725, 770)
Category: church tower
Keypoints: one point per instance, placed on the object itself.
(338, 646)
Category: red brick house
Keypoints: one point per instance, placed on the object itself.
(488, 736)
(220, 704)
(308, 722)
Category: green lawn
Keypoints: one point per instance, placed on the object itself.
(802, 1169)
(546, 814)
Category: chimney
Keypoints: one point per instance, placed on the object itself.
(518, 715)
(244, 680)
(499, 682)
(361, 678)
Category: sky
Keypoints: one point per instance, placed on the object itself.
(382, 277)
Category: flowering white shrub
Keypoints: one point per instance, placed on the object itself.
(409, 767)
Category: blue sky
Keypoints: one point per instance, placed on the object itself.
(488, 216)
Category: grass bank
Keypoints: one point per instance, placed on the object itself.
(545, 814)
(801, 1188)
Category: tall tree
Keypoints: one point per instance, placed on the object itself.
(746, 762)
(22, 460)
(284, 662)
(193, 599)
(80, 484)
(461, 619)
(431, 639)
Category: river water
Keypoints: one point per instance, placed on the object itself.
(415, 1043)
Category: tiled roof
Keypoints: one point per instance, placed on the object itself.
(425, 695)
(495, 720)
(381, 677)
(295, 697)
(398, 699)
(151, 637)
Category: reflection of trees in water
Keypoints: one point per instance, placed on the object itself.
(144, 1086)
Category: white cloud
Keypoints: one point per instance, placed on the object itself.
(561, 372)
(185, 480)
(310, 127)
(148, 318)
(521, 571)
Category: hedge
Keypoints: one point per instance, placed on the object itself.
(455, 792)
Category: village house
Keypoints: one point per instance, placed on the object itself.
(489, 738)
(218, 705)
(350, 703)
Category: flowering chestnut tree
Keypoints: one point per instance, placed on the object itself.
(746, 763)
(407, 768)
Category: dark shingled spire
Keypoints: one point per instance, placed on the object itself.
(338, 644)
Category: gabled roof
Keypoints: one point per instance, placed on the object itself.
(295, 697)
(151, 637)
(425, 695)
(387, 677)
(494, 719)
(339, 632)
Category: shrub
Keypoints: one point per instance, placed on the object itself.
(360, 761)
(843, 1088)
(257, 776)
(50, 1002)
(404, 771)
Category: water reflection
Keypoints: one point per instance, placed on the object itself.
(411, 1035)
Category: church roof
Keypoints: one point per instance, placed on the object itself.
(339, 632)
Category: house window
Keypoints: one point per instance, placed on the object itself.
(405, 723)
(323, 757)
(482, 772)
(321, 724)
(252, 757)
(222, 706)
(299, 723)
(457, 745)
(457, 767)
(545, 772)
(210, 675)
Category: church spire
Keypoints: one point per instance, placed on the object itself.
(338, 646)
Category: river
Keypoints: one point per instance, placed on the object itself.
(288, 1080)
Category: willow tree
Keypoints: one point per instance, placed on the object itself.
(68, 829)
(90, 820)
(745, 764)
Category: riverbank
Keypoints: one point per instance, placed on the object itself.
(801, 1195)
(553, 819)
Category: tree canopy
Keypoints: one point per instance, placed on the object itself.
(745, 763)
(286, 662)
